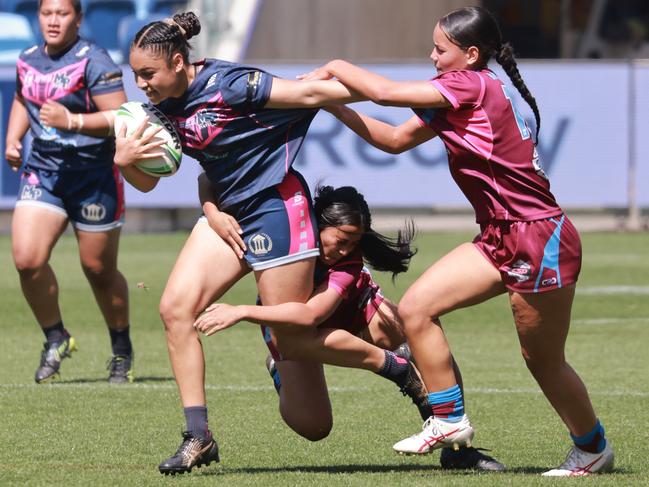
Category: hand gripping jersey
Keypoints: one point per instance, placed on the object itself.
(490, 150)
(70, 78)
(353, 282)
(243, 147)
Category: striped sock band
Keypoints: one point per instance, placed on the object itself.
(447, 404)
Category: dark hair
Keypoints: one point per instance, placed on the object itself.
(346, 206)
(166, 37)
(476, 26)
(76, 5)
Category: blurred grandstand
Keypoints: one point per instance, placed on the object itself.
(298, 30)
(289, 35)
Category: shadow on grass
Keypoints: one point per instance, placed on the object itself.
(359, 468)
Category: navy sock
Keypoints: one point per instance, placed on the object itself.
(394, 367)
(196, 419)
(593, 442)
(120, 341)
(55, 333)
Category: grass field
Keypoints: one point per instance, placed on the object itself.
(81, 431)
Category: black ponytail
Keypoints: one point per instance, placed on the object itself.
(346, 206)
(166, 37)
(505, 57)
(476, 26)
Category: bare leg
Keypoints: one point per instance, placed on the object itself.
(98, 253)
(542, 321)
(303, 398)
(205, 269)
(35, 231)
(461, 278)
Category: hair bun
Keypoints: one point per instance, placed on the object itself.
(189, 22)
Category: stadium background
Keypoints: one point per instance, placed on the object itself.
(592, 142)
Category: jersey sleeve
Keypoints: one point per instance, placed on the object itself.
(102, 74)
(343, 278)
(462, 89)
(244, 88)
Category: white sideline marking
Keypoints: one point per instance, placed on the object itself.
(355, 390)
(597, 290)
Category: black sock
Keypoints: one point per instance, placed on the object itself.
(196, 419)
(55, 333)
(120, 341)
(394, 367)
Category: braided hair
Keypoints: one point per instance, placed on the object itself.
(169, 36)
(476, 26)
(346, 206)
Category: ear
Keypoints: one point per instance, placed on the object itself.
(472, 55)
(79, 19)
(177, 62)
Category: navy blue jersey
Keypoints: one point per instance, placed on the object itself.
(70, 78)
(243, 147)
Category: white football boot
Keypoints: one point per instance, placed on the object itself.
(437, 434)
(579, 463)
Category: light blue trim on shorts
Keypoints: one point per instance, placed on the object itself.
(551, 254)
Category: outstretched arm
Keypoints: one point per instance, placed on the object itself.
(318, 308)
(381, 90)
(382, 135)
(310, 94)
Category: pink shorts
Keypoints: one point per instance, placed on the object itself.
(535, 256)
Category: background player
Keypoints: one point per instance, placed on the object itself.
(527, 246)
(69, 175)
(352, 324)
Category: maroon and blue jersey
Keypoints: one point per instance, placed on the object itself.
(71, 78)
(491, 153)
(243, 147)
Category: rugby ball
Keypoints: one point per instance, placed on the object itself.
(132, 113)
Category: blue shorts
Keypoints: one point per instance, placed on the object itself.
(279, 226)
(93, 201)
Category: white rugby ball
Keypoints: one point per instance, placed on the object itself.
(132, 113)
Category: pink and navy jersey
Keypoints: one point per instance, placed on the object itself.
(243, 147)
(353, 283)
(490, 150)
(71, 78)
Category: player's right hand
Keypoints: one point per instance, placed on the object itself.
(14, 155)
(226, 226)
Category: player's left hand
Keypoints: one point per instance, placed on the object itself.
(55, 115)
(217, 317)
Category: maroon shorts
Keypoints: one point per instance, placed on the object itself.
(535, 256)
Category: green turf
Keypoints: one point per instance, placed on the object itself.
(83, 432)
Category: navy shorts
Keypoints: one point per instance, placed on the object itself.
(279, 225)
(93, 201)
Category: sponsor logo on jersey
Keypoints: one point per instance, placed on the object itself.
(82, 52)
(521, 271)
(61, 80)
(260, 244)
(93, 212)
(298, 199)
(212, 80)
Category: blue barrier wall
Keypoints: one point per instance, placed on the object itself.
(584, 142)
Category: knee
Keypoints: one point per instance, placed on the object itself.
(317, 434)
(27, 263)
(176, 311)
(314, 431)
(543, 363)
(415, 317)
(98, 274)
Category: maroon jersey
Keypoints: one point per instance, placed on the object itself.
(490, 150)
(360, 295)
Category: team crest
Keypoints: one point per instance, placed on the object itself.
(93, 212)
(61, 80)
(260, 244)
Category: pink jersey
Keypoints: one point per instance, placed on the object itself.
(490, 150)
(360, 295)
